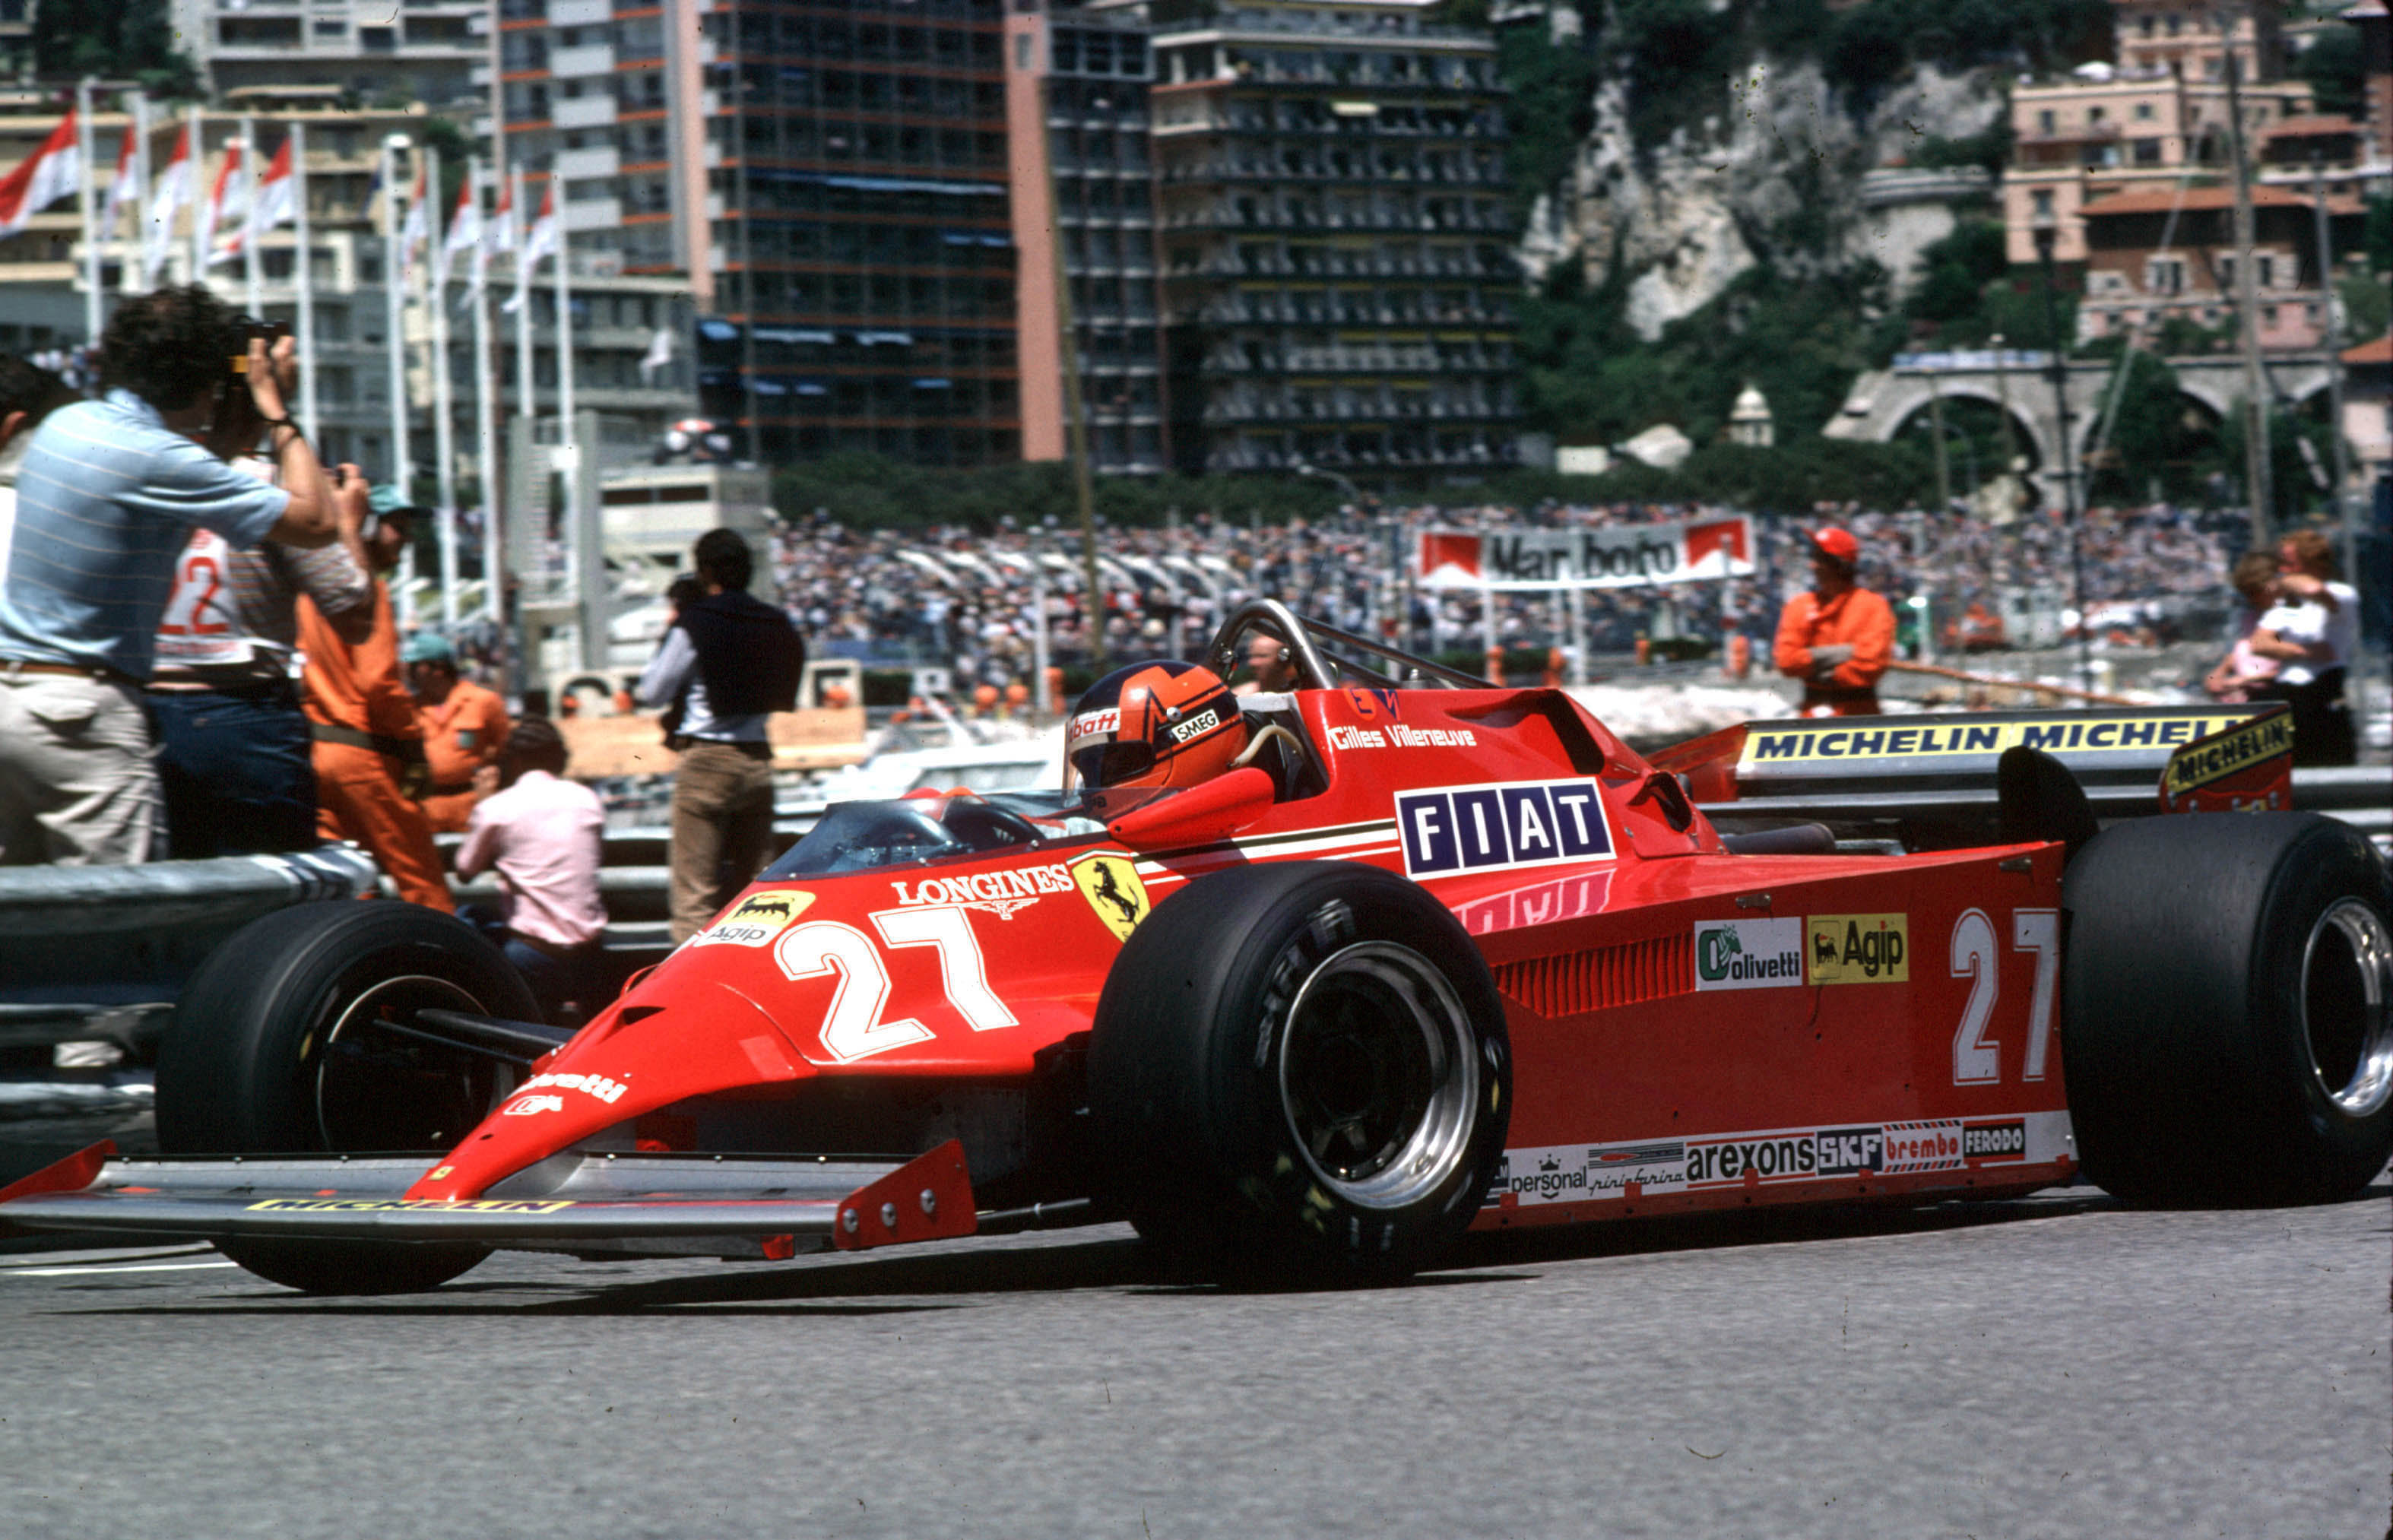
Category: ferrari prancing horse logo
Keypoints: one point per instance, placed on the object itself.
(1109, 881)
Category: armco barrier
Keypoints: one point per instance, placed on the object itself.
(91, 951)
(102, 951)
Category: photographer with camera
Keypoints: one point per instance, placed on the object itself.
(107, 499)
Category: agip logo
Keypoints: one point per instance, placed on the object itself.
(1858, 948)
(759, 918)
(1749, 954)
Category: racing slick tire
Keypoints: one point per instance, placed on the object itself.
(2224, 1010)
(274, 1048)
(1300, 1070)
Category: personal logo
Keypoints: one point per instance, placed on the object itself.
(1108, 880)
(756, 921)
(1859, 949)
(1749, 954)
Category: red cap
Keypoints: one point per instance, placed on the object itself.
(1837, 544)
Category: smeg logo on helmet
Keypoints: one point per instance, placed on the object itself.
(1203, 722)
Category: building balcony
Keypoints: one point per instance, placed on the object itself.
(591, 112)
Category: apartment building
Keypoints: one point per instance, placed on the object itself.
(2154, 257)
(1336, 239)
(1082, 193)
(383, 53)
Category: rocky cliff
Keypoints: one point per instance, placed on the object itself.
(1774, 171)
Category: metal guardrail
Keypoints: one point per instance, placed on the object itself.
(100, 953)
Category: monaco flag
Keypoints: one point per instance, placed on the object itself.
(541, 239)
(173, 192)
(46, 176)
(464, 232)
(271, 207)
(121, 192)
(223, 198)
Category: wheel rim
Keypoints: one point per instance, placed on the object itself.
(375, 1090)
(1379, 1078)
(2347, 988)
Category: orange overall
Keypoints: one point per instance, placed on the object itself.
(1857, 618)
(366, 730)
(461, 735)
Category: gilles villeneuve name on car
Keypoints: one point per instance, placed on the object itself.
(1501, 827)
(1576, 1173)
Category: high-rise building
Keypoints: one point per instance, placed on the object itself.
(845, 212)
(1336, 238)
(1076, 106)
(380, 54)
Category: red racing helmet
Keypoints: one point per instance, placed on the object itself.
(1160, 726)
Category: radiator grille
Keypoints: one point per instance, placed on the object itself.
(1576, 983)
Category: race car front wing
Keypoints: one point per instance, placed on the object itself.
(576, 1197)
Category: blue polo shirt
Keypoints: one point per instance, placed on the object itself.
(107, 498)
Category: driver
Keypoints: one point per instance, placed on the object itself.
(1166, 725)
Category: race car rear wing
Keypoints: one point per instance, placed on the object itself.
(578, 1197)
(1934, 776)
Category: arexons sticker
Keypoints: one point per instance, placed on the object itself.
(1859, 949)
(1494, 827)
(1576, 1173)
(1749, 954)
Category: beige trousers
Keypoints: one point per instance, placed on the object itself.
(78, 772)
(722, 819)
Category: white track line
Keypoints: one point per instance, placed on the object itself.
(137, 1267)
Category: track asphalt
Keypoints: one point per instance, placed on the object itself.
(2057, 1366)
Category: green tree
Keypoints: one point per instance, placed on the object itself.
(2336, 70)
(116, 40)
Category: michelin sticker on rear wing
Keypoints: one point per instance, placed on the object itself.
(1502, 826)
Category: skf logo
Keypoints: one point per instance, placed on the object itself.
(1859, 949)
(1109, 881)
(759, 918)
(1493, 828)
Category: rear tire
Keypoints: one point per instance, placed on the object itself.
(1300, 1071)
(275, 1048)
(2225, 1010)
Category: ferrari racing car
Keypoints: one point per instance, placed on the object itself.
(1311, 983)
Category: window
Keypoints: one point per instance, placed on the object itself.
(2045, 122)
(2148, 152)
(2043, 203)
(2268, 271)
(2144, 109)
(2094, 114)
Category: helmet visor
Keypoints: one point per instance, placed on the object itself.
(1111, 763)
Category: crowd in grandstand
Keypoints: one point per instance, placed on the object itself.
(968, 599)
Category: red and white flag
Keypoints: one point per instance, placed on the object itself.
(412, 234)
(121, 188)
(540, 240)
(272, 205)
(464, 232)
(503, 222)
(43, 177)
(173, 192)
(224, 199)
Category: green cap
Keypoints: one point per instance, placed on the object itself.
(388, 499)
(428, 646)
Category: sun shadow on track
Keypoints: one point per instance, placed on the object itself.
(1114, 1262)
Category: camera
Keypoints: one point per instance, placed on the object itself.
(249, 331)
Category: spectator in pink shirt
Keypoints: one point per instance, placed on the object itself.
(542, 833)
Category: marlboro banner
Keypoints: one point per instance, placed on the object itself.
(1625, 555)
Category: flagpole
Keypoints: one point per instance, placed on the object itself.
(435, 254)
(199, 194)
(527, 383)
(253, 275)
(394, 265)
(303, 273)
(129, 273)
(589, 560)
(84, 144)
(486, 423)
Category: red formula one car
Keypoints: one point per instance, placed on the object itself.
(1432, 957)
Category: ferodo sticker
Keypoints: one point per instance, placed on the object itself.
(1859, 949)
(759, 918)
(386, 1206)
(1749, 954)
(1109, 881)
